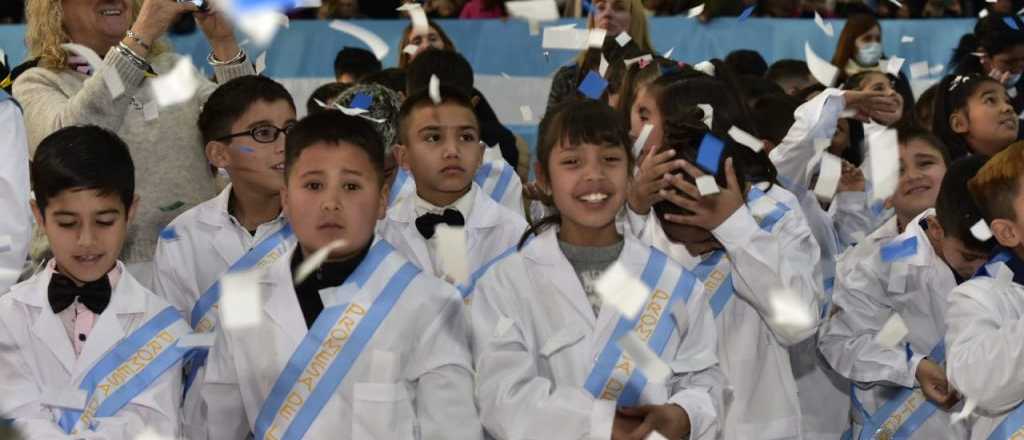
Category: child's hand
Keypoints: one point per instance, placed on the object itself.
(1002, 77)
(670, 420)
(708, 211)
(934, 385)
(651, 179)
(889, 110)
(852, 179)
(863, 102)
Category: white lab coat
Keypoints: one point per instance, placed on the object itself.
(208, 241)
(535, 338)
(868, 291)
(37, 362)
(16, 217)
(985, 348)
(495, 177)
(414, 374)
(491, 229)
(753, 346)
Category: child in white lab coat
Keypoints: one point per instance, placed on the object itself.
(87, 351)
(546, 345)
(368, 347)
(984, 334)
(907, 278)
(439, 145)
(974, 115)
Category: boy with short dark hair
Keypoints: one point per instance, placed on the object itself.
(985, 336)
(368, 346)
(352, 64)
(440, 148)
(87, 350)
(792, 75)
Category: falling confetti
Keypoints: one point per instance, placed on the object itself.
(981, 231)
(621, 289)
(822, 70)
(435, 89)
(695, 11)
(240, 299)
(892, 332)
(177, 86)
(706, 185)
(750, 141)
(372, 40)
(641, 140)
(828, 177)
(825, 27)
(452, 251)
(656, 370)
(309, 265)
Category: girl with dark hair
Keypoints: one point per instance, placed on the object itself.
(995, 49)
(974, 115)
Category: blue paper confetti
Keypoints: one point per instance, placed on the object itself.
(361, 101)
(1011, 23)
(168, 234)
(899, 250)
(746, 13)
(593, 85)
(710, 153)
(246, 149)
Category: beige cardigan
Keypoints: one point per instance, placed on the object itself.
(170, 162)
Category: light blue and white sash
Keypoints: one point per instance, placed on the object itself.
(467, 288)
(494, 177)
(332, 346)
(904, 413)
(1012, 427)
(615, 376)
(128, 369)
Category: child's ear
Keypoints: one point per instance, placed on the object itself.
(542, 179)
(401, 155)
(217, 154)
(475, 100)
(133, 209)
(382, 205)
(37, 213)
(958, 122)
(1006, 233)
(935, 231)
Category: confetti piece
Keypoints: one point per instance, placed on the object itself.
(1011, 23)
(655, 435)
(710, 153)
(419, 21)
(593, 85)
(595, 40)
(898, 4)
(969, 406)
(168, 233)
(370, 39)
(150, 434)
(822, 70)
(150, 110)
(884, 161)
(709, 114)
(906, 39)
(603, 68)
(240, 299)
(621, 289)
(790, 314)
(641, 140)
(452, 251)
(655, 369)
(623, 38)
(669, 53)
(981, 231)
(172, 206)
(536, 10)
(828, 177)
(527, 113)
(261, 63)
(562, 37)
(110, 76)
(825, 27)
(893, 65)
(361, 101)
(435, 89)
(706, 185)
(534, 27)
(204, 340)
(746, 13)
(983, 13)
(261, 25)
(695, 11)
(899, 250)
(936, 69)
(411, 49)
(177, 86)
(5, 243)
(737, 134)
(919, 69)
(706, 67)
(641, 59)
(314, 261)
(892, 332)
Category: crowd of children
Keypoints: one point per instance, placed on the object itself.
(698, 255)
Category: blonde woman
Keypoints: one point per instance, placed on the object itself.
(614, 16)
(171, 171)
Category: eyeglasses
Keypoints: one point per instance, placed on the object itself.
(263, 134)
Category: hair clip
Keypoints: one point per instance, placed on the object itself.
(960, 79)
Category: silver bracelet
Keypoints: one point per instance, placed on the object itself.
(237, 59)
(137, 39)
(135, 59)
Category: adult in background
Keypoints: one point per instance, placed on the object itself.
(859, 49)
(171, 170)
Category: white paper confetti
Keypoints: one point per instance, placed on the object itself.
(623, 38)
(596, 38)
(603, 67)
(981, 231)
(706, 67)
(537, 10)
(110, 76)
(709, 114)
(314, 261)
(669, 53)
(825, 27)
(706, 185)
(969, 406)
(5, 243)
(262, 25)
(822, 70)
(885, 163)
(695, 11)
(893, 65)
(983, 13)
(641, 139)
(655, 369)
(750, 141)
(177, 86)
(405, 7)
(411, 49)
(419, 20)
(655, 435)
(150, 110)
(892, 332)
(640, 59)
(191, 340)
(527, 113)
(533, 26)
(906, 39)
(790, 314)
(919, 70)
(452, 250)
(240, 299)
(897, 3)
(621, 289)
(565, 37)
(261, 63)
(828, 177)
(435, 89)
(372, 40)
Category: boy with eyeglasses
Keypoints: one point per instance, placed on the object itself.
(243, 125)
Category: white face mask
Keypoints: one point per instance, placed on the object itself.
(869, 54)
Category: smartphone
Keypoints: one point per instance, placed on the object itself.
(203, 5)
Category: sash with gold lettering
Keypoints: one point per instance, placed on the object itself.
(128, 369)
(615, 376)
(904, 413)
(1012, 427)
(332, 346)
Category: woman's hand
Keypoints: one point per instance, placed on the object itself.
(219, 33)
(155, 17)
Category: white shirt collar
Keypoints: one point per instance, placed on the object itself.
(464, 204)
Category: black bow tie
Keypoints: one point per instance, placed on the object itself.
(428, 222)
(94, 295)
